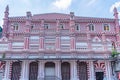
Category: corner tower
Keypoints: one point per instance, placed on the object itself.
(5, 21)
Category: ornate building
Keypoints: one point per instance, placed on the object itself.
(55, 46)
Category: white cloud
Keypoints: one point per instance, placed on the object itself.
(62, 4)
(116, 4)
(91, 2)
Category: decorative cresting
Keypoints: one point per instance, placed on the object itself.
(16, 70)
(33, 71)
(65, 71)
(99, 67)
(82, 70)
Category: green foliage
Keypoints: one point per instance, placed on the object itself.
(114, 53)
(0, 29)
(3, 56)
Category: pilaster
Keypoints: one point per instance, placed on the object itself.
(41, 71)
(7, 71)
(72, 42)
(73, 70)
(25, 70)
(41, 43)
(58, 69)
(91, 70)
(108, 70)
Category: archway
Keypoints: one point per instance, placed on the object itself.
(49, 70)
(16, 70)
(82, 70)
(33, 71)
(65, 71)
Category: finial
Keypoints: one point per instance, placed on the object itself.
(7, 9)
(71, 15)
(115, 10)
(28, 14)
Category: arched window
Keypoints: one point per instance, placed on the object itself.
(65, 70)
(106, 27)
(16, 70)
(46, 26)
(33, 71)
(61, 26)
(91, 27)
(77, 27)
(15, 26)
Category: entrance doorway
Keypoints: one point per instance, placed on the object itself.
(82, 70)
(49, 71)
(99, 75)
(33, 71)
(65, 70)
(16, 70)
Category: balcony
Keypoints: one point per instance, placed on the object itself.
(50, 31)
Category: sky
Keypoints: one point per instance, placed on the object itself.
(85, 8)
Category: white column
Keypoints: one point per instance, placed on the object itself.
(41, 70)
(73, 66)
(25, 70)
(58, 69)
(91, 70)
(7, 70)
(108, 70)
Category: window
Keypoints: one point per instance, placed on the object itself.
(15, 26)
(17, 45)
(49, 42)
(65, 42)
(77, 27)
(91, 27)
(32, 27)
(61, 26)
(34, 42)
(106, 27)
(34, 38)
(81, 45)
(46, 26)
(3, 47)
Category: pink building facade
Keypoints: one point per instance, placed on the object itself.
(55, 46)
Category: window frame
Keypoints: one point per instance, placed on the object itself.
(77, 27)
(108, 26)
(46, 26)
(63, 26)
(15, 26)
(90, 29)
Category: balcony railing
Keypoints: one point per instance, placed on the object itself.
(50, 46)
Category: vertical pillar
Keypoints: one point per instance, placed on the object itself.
(88, 38)
(10, 46)
(91, 70)
(25, 70)
(57, 43)
(108, 70)
(104, 41)
(41, 70)
(26, 43)
(58, 69)
(72, 42)
(7, 70)
(41, 43)
(73, 67)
